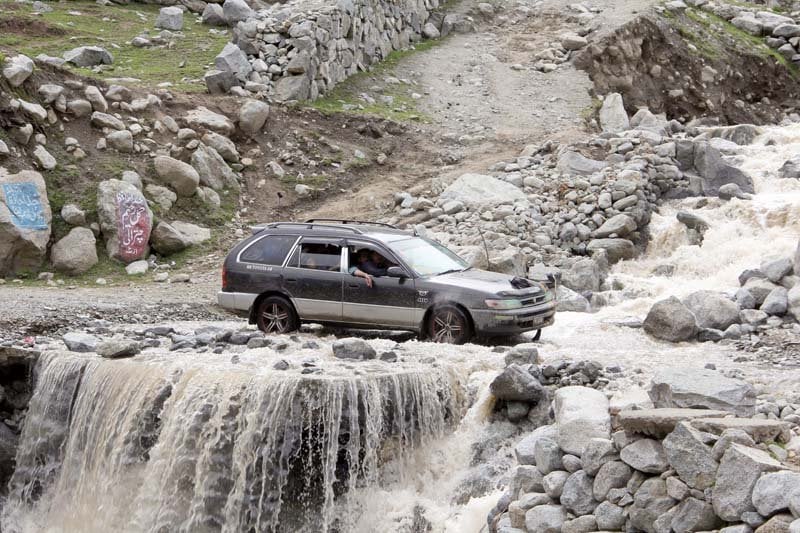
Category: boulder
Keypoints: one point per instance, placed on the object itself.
(104, 120)
(691, 457)
(777, 302)
(526, 353)
(235, 11)
(577, 496)
(790, 169)
(730, 191)
(545, 518)
(622, 225)
(125, 220)
(515, 383)
(232, 59)
(670, 320)
(17, 69)
(659, 423)
(219, 81)
(694, 515)
(478, 191)
(613, 118)
(714, 172)
(547, 455)
(572, 41)
(170, 18)
(43, 158)
(773, 492)
(596, 453)
(75, 253)
(525, 448)
(353, 349)
(576, 164)
(610, 517)
(738, 473)
(554, 483)
(118, 348)
(213, 15)
(776, 268)
(616, 249)
(569, 300)
(121, 141)
(701, 388)
(581, 414)
(24, 221)
(712, 310)
(612, 475)
(180, 176)
(645, 455)
(96, 98)
(88, 56)
(73, 215)
(649, 503)
(290, 88)
(252, 116)
(212, 169)
(171, 238)
(759, 288)
(80, 342)
(223, 145)
(204, 119)
(584, 275)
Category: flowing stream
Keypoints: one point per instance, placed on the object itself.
(202, 443)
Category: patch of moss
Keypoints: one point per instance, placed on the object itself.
(344, 98)
(113, 27)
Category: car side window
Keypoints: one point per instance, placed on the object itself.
(269, 250)
(317, 256)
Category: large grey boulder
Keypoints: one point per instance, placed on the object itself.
(545, 518)
(694, 515)
(223, 145)
(690, 457)
(252, 116)
(596, 453)
(738, 472)
(612, 475)
(353, 349)
(581, 414)
(125, 220)
(548, 455)
(701, 388)
(577, 164)
(75, 253)
(88, 56)
(515, 383)
(649, 503)
(77, 341)
(180, 176)
(525, 448)
(202, 118)
(616, 249)
(645, 455)
(584, 275)
(613, 118)
(291, 88)
(610, 517)
(24, 221)
(213, 15)
(170, 18)
(776, 268)
(233, 59)
(777, 302)
(670, 320)
(118, 348)
(104, 120)
(219, 81)
(235, 11)
(759, 288)
(577, 496)
(17, 69)
(773, 492)
(170, 238)
(479, 191)
(212, 169)
(714, 172)
(622, 225)
(712, 309)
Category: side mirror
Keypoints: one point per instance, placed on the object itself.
(396, 272)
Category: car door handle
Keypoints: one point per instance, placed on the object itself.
(290, 280)
(353, 285)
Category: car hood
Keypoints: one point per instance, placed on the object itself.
(483, 281)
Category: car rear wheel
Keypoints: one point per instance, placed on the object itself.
(448, 324)
(276, 315)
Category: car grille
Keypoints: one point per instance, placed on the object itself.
(533, 300)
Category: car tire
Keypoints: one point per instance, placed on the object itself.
(275, 315)
(449, 324)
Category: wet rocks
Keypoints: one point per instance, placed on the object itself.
(80, 342)
(75, 253)
(515, 383)
(581, 414)
(712, 310)
(616, 249)
(353, 348)
(715, 172)
(696, 387)
(118, 348)
(670, 320)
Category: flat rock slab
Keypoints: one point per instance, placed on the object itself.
(660, 422)
(760, 430)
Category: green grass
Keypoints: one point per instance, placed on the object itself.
(112, 27)
(402, 109)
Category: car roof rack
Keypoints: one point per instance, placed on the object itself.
(346, 221)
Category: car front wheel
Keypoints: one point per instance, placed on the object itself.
(276, 315)
(449, 325)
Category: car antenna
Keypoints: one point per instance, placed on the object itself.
(485, 247)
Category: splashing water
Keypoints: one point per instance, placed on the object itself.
(192, 444)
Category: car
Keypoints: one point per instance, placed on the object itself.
(288, 273)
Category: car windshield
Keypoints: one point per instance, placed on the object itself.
(427, 258)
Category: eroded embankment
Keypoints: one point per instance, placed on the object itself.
(689, 64)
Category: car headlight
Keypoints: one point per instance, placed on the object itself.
(504, 304)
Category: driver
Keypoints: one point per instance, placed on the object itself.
(369, 263)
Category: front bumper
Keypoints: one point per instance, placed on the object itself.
(497, 322)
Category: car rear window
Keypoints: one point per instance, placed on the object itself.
(269, 250)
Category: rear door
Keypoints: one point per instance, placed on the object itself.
(389, 302)
(313, 279)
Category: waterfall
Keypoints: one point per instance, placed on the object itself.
(198, 444)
